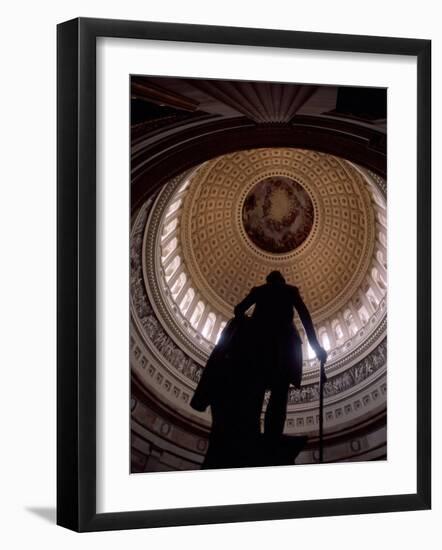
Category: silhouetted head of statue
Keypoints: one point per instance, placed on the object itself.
(275, 277)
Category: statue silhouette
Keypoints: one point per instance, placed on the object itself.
(278, 346)
(255, 354)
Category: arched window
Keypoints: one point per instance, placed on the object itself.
(169, 248)
(382, 238)
(168, 228)
(196, 315)
(363, 315)
(337, 329)
(377, 199)
(172, 267)
(382, 219)
(208, 325)
(187, 300)
(185, 185)
(377, 277)
(174, 206)
(324, 339)
(350, 322)
(179, 283)
(372, 299)
(381, 259)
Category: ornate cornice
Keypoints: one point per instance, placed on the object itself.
(169, 153)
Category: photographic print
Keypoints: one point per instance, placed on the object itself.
(258, 274)
(223, 261)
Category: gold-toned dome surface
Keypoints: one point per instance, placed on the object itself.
(334, 246)
(277, 214)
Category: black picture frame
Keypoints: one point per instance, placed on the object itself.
(76, 274)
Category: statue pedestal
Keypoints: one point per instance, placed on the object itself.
(249, 452)
(282, 451)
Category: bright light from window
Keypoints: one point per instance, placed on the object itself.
(221, 328)
(325, 340)
(169, 248)
(187, 300)
(310, 353)
(174, 206)
(179, 283)
(169, 228)
(196, 315)
(172, 267)
(208, 325)
(350, 322)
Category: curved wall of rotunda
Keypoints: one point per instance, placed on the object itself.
(229, 181)
(211, 233)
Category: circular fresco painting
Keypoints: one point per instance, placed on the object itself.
(278, 214)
